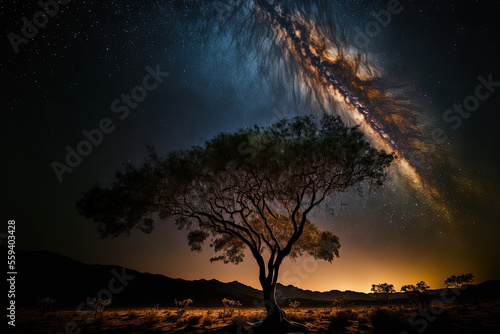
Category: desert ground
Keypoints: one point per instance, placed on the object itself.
(470, 317)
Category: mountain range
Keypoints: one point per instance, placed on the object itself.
(70, 282)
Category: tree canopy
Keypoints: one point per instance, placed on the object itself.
(458, 281)
(383, 290)
(251, 189)
(417, 293)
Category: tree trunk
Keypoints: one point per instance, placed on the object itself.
(276, 320)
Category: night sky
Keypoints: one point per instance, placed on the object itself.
(69, 75)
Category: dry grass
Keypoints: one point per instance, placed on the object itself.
(481, 317)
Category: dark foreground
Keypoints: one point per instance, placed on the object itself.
(471, 317)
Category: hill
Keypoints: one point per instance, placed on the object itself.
(71, 282)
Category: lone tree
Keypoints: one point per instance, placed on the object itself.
(417, 293)
(250, 190)
(383, 290)
(459, 281)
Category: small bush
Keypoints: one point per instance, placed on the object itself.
(308, 317)
(255, 316)
(294, 305)
(297, 317)
(173, 317)
(207, 319)
(236, 319)
(98, 305)
(183, 306)
(342, 319)
(341, 303)
(132, 314)
(387, 321)
(45, 304)
(193, 320)
(180, 321)
(230, 306)
(443, 324)
(152, 315)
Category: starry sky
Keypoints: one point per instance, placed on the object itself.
(66, 77)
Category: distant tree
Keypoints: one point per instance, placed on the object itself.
(253, 189)
(383, 290)
(417, 293)
(459, 281)
(341, 303)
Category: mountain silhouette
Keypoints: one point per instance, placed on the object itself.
(70, 282)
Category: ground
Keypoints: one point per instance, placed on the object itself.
(472, 317)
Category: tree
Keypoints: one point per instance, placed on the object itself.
(459, 281)
(417, 293)
(250, 190)
(383, 290)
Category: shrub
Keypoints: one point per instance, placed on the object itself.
(387, 321)
(173, 317)
(297, 317)
(207, 319)
(193, 320)
(98, 306)
(183, 306)
(45, 304)
(152, 315)
(229, 307)
(294, 305)
(255, 316)
(341, 303)
(342, 319)
(236, 319)
(180, 321)
(308, 317)
(442, 325)
(132, 314)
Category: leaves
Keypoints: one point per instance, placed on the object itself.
(231, 247)
(459, 280)
(383, 288)
(196, 239)
(322, 245)
(251, 189)
(417, 293)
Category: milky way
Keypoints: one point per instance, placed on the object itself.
(304, 49)
(236, 63)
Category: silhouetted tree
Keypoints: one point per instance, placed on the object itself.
(417, 293)
(383, 290)
(459, 281)
(252, 189)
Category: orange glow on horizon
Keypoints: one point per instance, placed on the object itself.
(359, 266)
